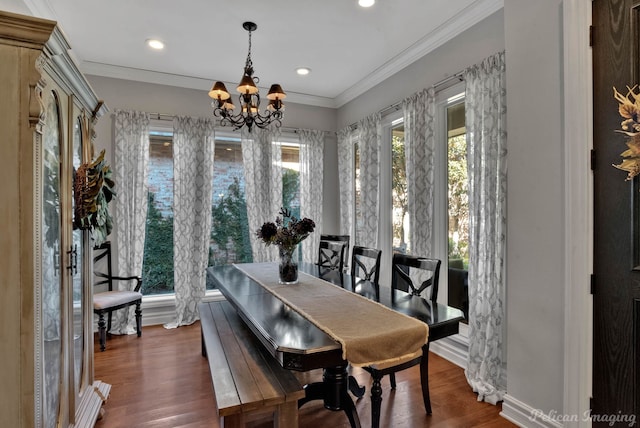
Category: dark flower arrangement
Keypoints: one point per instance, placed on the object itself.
(287, 231)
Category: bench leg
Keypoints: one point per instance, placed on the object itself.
(232, 421)
(287, 415)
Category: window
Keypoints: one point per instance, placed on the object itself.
(457, 188)
(229, 224)
(357, 194)
(157, 267)
(399, 197)
(451, 212)
(454, 224)
(291, 177)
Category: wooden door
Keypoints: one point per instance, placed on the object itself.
(616, 300)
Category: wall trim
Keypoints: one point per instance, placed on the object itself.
(578, 209)
(523, 415)
(451, 350)
(454, 348)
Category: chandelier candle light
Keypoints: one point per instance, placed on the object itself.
(249, 98)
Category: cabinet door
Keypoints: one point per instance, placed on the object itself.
(53, 328)
(78, 271)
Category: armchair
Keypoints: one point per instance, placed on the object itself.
(108, 301)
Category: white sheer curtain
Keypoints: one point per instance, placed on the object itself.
(262, 160)
(346, 139)
(487, 168)
(130, 169)
(311, 176)
(369, 142)
(193, 144)
(419, 131)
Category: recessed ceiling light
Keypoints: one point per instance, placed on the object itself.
(155, 44)
(366, 3)
(303, 71)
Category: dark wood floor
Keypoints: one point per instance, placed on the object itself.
(162, 380)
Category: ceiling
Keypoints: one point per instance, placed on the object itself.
(348, 48)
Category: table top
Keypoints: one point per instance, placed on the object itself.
(296, 342)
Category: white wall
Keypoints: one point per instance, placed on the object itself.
(15, 6)
(535, 237)
(470, 47)
(531, 34)
(130, 95)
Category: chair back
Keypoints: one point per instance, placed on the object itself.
(365, 263)
(331, 255)
(339, 238)
(407, 271)
(103, 251)
(365, 272)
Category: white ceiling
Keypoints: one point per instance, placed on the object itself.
(348, 48)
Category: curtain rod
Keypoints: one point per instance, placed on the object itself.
(396, 106)
(169, 117)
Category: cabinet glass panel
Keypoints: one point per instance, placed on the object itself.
(51, 267)
(78, 291)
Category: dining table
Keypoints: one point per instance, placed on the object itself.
(298, 343)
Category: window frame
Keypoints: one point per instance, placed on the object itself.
(444, 98)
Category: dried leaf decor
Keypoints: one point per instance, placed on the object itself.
(92, 192)
(629, 109)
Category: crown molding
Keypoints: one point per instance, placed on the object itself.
(470, 16)
(148, 76)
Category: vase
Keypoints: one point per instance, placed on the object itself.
(288, 267)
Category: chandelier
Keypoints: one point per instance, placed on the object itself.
(249, 98)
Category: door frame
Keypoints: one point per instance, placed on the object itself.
(578, 218)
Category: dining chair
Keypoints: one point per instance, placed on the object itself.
(365, 271)
(331, 255)
(416, 276)
(107, 302)
(340, 238)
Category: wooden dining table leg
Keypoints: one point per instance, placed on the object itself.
(334, 391)
(424, 378)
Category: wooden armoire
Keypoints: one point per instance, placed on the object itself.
(47, 115)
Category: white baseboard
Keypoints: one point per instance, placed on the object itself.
(526, 416)
(451, 349)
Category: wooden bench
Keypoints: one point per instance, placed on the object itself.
(248, 383)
